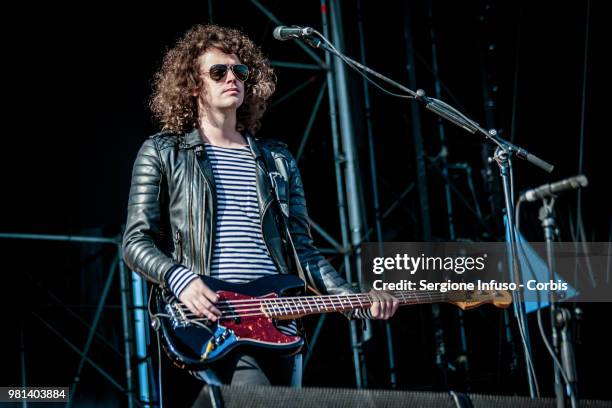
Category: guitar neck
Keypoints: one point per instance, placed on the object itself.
(293, 307)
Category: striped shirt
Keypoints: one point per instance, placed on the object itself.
(240, 254)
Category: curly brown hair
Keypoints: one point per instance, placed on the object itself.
(173, 103)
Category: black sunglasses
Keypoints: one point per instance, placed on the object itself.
(218, 71)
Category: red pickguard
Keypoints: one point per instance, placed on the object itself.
(255, 328)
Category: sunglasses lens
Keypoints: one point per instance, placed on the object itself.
(217, 71)
(241, 71)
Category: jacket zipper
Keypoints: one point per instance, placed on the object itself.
(190, 216)
(179, 244)
(211, 236)
(206, 271)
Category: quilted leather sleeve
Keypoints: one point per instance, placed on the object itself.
(142, 234)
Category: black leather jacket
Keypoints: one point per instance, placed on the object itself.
(172, 207)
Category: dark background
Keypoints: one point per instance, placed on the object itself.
(76, 114)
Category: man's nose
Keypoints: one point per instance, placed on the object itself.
(230, 76)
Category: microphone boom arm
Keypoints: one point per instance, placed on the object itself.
(434, 105)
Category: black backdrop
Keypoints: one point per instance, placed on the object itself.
(78, 113)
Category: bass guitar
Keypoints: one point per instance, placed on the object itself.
(249, 312)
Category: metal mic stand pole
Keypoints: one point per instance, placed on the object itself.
(560, 318)
(548, 225)
(502, 156)
(563, 320)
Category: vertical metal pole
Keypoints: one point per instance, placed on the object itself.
(447, 188)
(490, 183)
(423, 192)
(24, 403)
(548, 224)
(374, 182)
(127, 338)
(340, 159)
(504, 162)
(579, 223)
(92, 331)
(491, 186)
(210, 11)
(417, 134)
(141, 340)
(152, 375)
(353, 188)
(347, 132)
(441, 130)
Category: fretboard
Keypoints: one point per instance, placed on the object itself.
(291, 307)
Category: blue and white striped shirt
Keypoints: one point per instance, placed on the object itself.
(240, 254)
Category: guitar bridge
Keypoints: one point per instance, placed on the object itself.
(177, 315)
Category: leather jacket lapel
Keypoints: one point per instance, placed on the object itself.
(272, 234)
(204, 229)
(264, 190)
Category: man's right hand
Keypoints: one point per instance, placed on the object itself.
(200, 299)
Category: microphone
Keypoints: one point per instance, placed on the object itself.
(283, 33)
(550, 189)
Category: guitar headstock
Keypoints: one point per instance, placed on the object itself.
(471, 299)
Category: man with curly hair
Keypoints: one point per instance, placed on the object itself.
(200, 197)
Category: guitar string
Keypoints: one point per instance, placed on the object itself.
(274, 313)
(281, 309)
(401, 293)
(332, 298)
(309, 304)
(287, 307)
(225, 317)
(316, 301)
(314, 304)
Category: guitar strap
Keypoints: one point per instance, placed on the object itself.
(270, 163)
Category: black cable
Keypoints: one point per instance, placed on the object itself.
(579, 220)
(159, 371)
(413, 94)
(519, 316)
(358, 70)
(555, 359)
(155, 320)
(540, 325)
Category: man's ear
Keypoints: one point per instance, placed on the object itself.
(195, 92)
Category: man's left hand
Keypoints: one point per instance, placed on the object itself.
(384, 304)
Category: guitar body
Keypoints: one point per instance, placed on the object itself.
(193, 343)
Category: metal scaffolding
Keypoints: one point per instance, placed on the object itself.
(134, 328)
(348, 187)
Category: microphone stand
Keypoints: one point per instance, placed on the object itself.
(563, 321)
(560, 319)
(502, 156)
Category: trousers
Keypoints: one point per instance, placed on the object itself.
(244, 369)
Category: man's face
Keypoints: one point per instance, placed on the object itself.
(227, 92)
